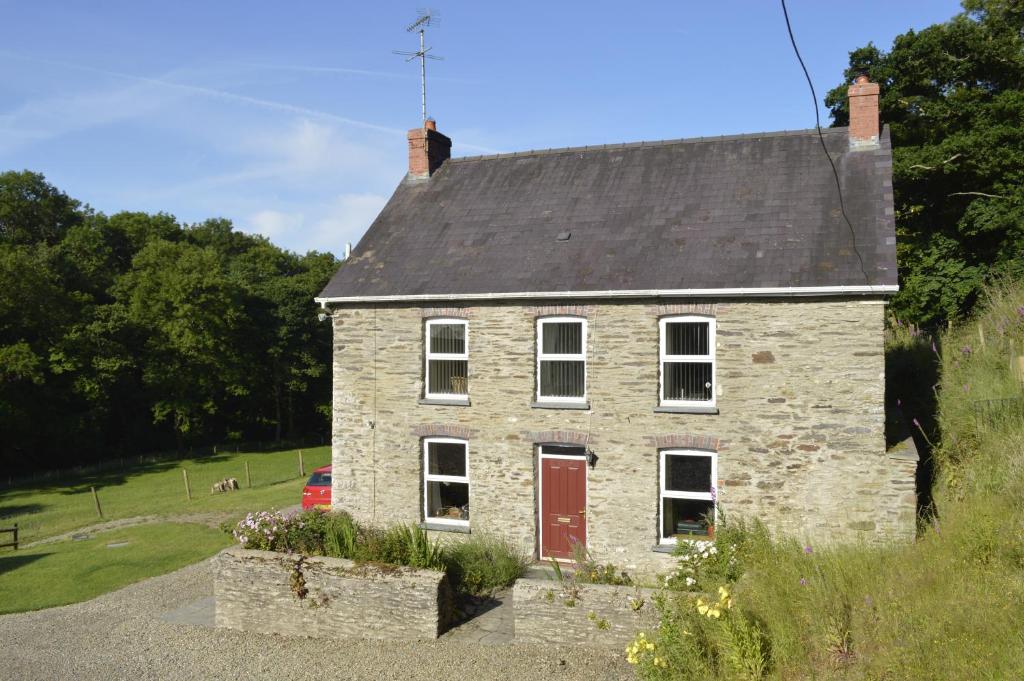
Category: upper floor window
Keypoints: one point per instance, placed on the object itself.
(561, 359)
(447, 358)
(446, 481)
(687, 494)
(687, 361)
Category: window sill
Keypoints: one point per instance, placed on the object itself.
(663, 548)
(445, 527)
(559, 405)
(686, 410)
(447, 402)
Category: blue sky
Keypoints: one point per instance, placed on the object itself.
(289, 118)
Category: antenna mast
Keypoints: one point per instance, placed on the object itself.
(427, 17)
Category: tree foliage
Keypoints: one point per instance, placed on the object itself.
(132, 332)
(953, 96)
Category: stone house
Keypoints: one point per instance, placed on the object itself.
(613, 345)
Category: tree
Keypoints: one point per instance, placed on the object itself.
(953, 96)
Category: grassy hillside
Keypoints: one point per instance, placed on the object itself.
(950, 606)
(158, 489)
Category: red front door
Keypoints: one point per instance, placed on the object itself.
(563, 505)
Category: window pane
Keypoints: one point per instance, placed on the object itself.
(446, 458)
(448, 376)
(687, 381)
(448, 500)
(448, 338)
(686, 338)
(563, 338)
(686, 517)
(687, 473)
(562, 379)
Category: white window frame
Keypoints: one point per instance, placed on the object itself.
(674, 494)
(428, 355)
(541, 356)
(663, 357)
(428, 478)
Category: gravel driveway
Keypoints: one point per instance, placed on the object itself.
(121, 636)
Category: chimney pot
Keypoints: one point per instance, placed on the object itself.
(863, 100)
(428, 149)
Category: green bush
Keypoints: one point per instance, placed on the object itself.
(483, 564)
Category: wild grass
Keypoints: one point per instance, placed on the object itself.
(73, 571)
(948, 606)
(158, 488)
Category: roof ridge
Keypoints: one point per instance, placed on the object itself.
(651, 143)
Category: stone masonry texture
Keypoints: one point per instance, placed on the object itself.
(800, 440)
(253, 591)
(592, 615)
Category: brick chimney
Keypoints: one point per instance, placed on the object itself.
(428, 149)
(863, 95)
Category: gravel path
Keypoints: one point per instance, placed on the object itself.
(120, 636)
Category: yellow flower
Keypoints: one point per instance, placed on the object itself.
(716, 613)
(650, 646)
(702, 609)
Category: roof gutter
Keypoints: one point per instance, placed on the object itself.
(766, 292)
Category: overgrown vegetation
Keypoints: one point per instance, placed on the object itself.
(133, 333)
(477, 566)
(949, 606)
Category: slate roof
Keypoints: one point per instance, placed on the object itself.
(746, 211)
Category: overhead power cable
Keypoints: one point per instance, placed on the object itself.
(821, 138)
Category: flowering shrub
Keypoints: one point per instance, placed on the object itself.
(263, 530)
(642, 651)
(704, 563)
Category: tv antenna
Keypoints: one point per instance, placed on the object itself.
(427, 17)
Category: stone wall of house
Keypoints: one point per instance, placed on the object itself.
(799, 433)
(589, 614)
(255, 591)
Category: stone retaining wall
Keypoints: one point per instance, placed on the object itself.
(254, 592)
(592, 615)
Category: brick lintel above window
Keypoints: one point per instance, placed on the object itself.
(443, 430)
(684, 441)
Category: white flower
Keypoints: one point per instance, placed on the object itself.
(690, 581)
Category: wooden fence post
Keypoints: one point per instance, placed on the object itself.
(248, 478)
(302, 468)
(96, 498)
(981, 336)
(188, 490)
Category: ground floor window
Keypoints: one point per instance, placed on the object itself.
(446, 481)
(687, 494)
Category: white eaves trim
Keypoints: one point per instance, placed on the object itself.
(767, 292)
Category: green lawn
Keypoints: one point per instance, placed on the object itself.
(158, 488)
(72, 571)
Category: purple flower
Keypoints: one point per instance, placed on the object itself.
(935, 349)
(1020, 311)
(916, 422)
(899, 402)
(966, 350)
(808, 549)
(967, 388)
(868, 602)
(803, 581)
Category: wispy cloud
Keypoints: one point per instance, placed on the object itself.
(225, 95)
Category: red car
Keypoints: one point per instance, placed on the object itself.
(317, 492)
